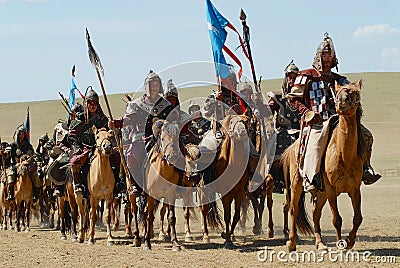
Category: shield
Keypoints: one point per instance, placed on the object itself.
(57, 171)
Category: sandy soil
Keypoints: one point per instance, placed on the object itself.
(379, 234)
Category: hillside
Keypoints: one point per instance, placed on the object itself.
(380, 99)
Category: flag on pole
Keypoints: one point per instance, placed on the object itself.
(27, 125)
(71, 100)
(216, 24)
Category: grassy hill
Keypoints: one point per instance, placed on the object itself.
(380, 99)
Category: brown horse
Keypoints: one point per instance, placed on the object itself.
(162, 179)
(231, 169)
(101, 181)
(341, 170)
(7, 206)
(23, 192)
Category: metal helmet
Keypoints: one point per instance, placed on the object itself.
(291, 68)
(22, 128)
(325, 46)
(193, 105)
(152, 76)
(91, 95)
(44, 138)
(171, 90)
(77, 108)
(245, 86)
(231, 80)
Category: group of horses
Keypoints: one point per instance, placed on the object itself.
(341, 173)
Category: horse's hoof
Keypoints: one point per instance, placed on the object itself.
(58, 228)
(176, 248)
(81, 240)
(42, 225)
(233, 238)
(146, 248)
(270, 233)
(321, 246)
(223, 235)
(63, 237)
(51, 226)
(256, 230)
(74, 239)
(229, 245)
(286, 234)
(161, 237)
(206, 240)
(188, 239)
(350, 244)
(137, 242)
(90, 243)
(291, 246)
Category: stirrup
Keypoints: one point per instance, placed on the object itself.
(369, 178)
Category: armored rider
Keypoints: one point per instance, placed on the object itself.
(20, 147)
(137, 125)
(82, 140)
(313, 97)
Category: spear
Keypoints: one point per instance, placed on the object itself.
(246, 36)
(96, 63)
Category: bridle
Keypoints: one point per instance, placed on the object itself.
(353, 101)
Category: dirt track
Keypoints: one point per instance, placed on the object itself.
(379, 233)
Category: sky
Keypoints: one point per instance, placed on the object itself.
(40, 40)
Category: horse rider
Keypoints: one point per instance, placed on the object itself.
(136, 126)
(21, 146)
(313, 97)
(60, 139)
(82, 141)
(5, 158)
(286, 122)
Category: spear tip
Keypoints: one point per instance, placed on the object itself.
(242, 15)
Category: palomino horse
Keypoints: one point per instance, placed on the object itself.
(23, 191)
(7, 206)
(341, 171)
(231, 169)
(101, 181)
(162, 179)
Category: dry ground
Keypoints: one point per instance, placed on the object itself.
(379, 233)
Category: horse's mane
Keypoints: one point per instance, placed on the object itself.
(192, 151)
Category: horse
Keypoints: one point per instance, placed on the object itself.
(231, 162)
(101, 181)
(23, 192)
(162, 178)
(7, 206)
(341, 171)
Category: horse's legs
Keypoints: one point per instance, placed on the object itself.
(357, 218)
(108, 206)
(100, 212)
(28, 215)
(243, 218)
(93, 218)
(18, 217)
(336, 218)
(296, 191)
(317, 212)
(61, 203)
(163, 210)
(149, 221)
(236, 216)
(255, 205)
(82, 217)
(128, 220)
(204, 228)
(286, 206)
(270, 203)
(172, 223)
(134, 214)
(116, 208)
(188, 233)
(226, 202)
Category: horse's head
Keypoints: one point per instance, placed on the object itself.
(24, 165)
(167, 135)
(236, 127)
(103, 140)
(348, 98)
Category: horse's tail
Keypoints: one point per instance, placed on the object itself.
(287, 159)
(213, 217)
(303, 221)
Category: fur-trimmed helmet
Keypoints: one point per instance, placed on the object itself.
(91, 95)
(152, 76)
(325, 46)
(170, 90)
(245, 86)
